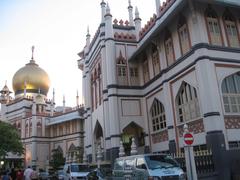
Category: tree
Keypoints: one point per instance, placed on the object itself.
(10, 140)
(57, 159)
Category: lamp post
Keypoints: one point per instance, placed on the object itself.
(1, 163)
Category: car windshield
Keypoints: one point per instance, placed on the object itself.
(79, 168)
(60, 172)
(44, 173)
(160, 161)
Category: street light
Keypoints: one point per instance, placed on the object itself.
(2, 163)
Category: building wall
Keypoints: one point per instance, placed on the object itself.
(203, 67)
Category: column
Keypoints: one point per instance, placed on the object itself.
(213, 119)
(169, 113)
(111, 72)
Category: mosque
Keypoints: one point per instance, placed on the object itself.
(41, 126)
(146, 82)
(142, 82)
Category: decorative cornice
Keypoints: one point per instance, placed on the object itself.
(24, 107)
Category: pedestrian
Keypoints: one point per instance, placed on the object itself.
(27, 173)
(6, 176)
(19, 175)
(13, 174)
(34, 174)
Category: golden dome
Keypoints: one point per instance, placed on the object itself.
(31, 76)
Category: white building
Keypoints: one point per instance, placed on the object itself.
(147, 81)
(41, 126)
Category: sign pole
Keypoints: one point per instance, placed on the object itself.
(189, 155)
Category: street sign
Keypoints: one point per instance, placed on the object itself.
(188, 138)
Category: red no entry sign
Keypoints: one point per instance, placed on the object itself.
(188, 138)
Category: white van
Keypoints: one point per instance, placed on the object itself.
(75, 171)
(147, 167)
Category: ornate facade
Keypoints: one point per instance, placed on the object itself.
(42, 126)
(147, 82)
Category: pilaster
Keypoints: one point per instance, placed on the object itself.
(112, 110)
(213, 119)
(209, 96)
(169, 113)
(34, 133)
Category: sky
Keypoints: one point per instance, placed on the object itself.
(57, 29)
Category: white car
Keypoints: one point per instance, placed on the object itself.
(75, 171)
(147, 166)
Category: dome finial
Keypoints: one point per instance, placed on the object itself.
(25, 88)
(32, 59)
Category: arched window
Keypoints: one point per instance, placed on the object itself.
(60, 130)
(19, 128)
(155, 60)
(122, 70)
(26, 130)
(68, 128)
(169, 50)
(92, 91)
(39, 129)
(59, 149)
(231, 93)
(134, 77)
(231, 29)
(213, 27)
(100, 83)
(158, 116)
(72, 150)
(95, 88)
(30, 129)
(74, 126)
(54, 130)
(183, 33)
(187, 103)
(145, 69)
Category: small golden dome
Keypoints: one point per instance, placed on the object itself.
(31, 76)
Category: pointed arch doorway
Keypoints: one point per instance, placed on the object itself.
(98, 137)
(130, 131)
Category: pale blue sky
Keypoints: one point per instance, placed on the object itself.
(57, 29)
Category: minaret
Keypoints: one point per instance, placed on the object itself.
(157, 7)
(4, 99)
(88, 36)
(51, 108)
(77, 99)
(130, 13)
(137, 22)
(110, 47)
(53, 98)
(103, 7)
(5, 92)
(64, 104)
(113, 120)
(53, 102)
